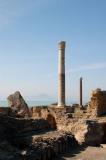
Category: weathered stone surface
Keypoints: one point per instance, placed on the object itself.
(97, 105)
(89, 132)
(18, 106)
(85, 131)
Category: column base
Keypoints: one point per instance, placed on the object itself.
(61, 105)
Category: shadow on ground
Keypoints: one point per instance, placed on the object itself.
(71, 153)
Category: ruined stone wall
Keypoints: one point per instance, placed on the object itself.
(54, 115)
(85, 131)
(97, 105)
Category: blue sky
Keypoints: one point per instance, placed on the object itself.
(29, 33)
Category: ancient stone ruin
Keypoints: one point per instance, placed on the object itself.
(47, 131)
(43, 132)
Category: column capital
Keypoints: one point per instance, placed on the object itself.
(61, 45)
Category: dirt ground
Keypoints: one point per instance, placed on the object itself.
(83, 153)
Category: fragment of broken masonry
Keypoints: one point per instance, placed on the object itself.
(43, 132)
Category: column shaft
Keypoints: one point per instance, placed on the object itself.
(81, 91)
(61, 74)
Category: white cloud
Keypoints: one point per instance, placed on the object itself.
(95, 66)
(87, 67)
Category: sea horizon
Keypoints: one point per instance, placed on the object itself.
(4, 103)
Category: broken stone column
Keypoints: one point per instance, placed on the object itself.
(81, 91)
(61, 74)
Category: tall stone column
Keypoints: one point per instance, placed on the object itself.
(81, 91)
(61, 74)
